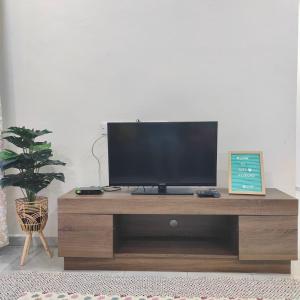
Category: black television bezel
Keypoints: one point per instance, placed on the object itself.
(111, 183)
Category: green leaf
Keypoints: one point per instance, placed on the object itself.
(41, 155)
(18, 141)
(40, 146)
(49, 162)
(21, 162)
(6, 154)
(26, 133)
(26, 161)
(58, 176)
(33, 182)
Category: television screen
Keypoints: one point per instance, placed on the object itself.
(170, 153)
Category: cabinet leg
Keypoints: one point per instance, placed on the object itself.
(45, 244)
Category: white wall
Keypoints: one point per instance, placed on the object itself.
(298, 115)
(70, 64)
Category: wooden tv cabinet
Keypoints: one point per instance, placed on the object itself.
(234, 233)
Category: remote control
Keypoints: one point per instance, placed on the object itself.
(212, 193)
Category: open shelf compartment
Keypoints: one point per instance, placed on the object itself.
(176, 236)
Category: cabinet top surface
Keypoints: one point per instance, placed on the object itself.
(271, 194)
(274, 202)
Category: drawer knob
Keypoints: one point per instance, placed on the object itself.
(173, 223)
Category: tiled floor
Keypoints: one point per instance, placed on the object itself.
(36, 261)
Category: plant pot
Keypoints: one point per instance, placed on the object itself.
(32, 216)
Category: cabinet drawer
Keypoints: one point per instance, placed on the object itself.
(268, 237)
(84, 235)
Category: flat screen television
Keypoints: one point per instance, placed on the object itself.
(161, 154)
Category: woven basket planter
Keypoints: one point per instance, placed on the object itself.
(32, 216)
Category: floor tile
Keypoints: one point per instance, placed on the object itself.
(37, 260)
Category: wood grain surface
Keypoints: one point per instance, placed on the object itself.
(274, 202)
(82, 235)
(268, 237)
(177, 264)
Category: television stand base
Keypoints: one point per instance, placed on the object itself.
(233, 233)
(160, 191)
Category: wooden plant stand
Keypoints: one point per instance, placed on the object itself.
(32, 217)
(27, 244)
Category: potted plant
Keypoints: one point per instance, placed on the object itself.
(32, 209)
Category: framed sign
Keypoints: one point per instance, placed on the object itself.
(246, 173)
